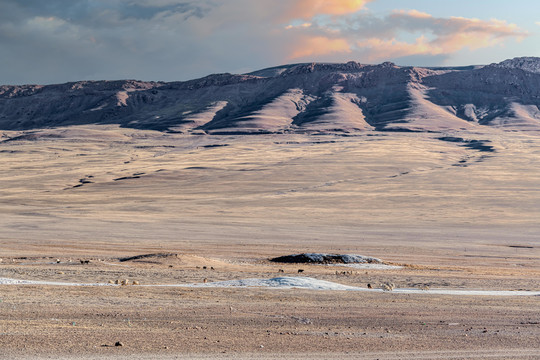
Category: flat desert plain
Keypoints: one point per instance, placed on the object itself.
(449, 214)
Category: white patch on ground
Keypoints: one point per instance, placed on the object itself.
(294, 283)
(6, 281)
(314, 284)
(281, 283)
(367, 266)
(468, 292)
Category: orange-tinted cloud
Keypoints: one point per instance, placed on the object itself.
(448, 35)
(414, 20)
(319, 45)
(415, 14)
(379, 49)
(307, 9)
(304, 25)
(440, 36)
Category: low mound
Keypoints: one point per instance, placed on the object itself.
(148, 257)
(309, 258)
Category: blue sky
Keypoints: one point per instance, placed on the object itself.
(56, 41)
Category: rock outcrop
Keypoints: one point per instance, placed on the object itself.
(293, 98)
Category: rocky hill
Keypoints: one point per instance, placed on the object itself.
(293, 98)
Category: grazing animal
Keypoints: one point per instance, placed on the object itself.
(300, 271)
(369, 286)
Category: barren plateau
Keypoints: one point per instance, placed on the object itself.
(452, 210)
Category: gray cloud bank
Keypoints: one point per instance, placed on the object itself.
(66, 40)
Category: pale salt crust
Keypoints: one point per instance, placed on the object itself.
(7, 281)
(367, 266)
(294, 283)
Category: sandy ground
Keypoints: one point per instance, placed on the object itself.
(452, 216)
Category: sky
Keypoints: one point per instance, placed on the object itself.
(55, 41)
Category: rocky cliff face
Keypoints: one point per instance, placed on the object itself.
(530, 64)
(302, 97)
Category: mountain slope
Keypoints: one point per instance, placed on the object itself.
(293, 98)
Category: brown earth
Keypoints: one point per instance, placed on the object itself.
(454, 217)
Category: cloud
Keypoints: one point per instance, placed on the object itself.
(392, 48)
(450, 35)
(409, 33)
(307, 9)
(415, 14)
(57, 40)
(65, 40)
(414, 21)
(319, 45)
(303, 25)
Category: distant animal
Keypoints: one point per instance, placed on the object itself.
(300, 271)
(281, 271)
(85, 261)
(369, 286)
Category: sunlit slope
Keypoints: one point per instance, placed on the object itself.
(315, 97)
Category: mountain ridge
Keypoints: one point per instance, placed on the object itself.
(307, 97)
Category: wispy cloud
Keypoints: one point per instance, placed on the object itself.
(307, 9)
(378, 39)
(319, 45)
